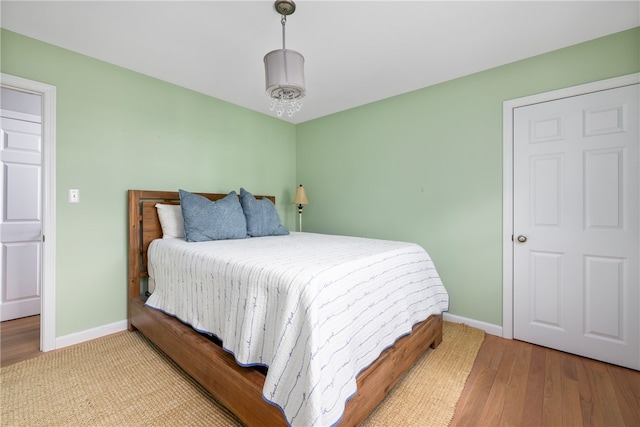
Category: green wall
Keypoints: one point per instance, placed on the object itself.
(116, 130)
(426, 166)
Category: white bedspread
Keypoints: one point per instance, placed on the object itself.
(316, 309)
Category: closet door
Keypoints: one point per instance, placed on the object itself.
(577, 225)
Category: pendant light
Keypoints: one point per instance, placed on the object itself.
(284, 70)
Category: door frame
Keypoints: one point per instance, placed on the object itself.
(507, 177)
(48, 285)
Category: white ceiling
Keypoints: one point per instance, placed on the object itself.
(356, 52)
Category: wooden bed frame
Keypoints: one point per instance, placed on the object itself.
(239, 388)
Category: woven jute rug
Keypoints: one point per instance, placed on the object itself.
(123, 380)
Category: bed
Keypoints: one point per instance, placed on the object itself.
(211, 362)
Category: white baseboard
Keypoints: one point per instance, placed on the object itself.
(90, 334)
(489, 328)
(101, 331)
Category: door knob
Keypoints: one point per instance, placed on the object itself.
(522, 238)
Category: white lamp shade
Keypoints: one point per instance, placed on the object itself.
(284, 74)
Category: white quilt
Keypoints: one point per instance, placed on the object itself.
(316, 309)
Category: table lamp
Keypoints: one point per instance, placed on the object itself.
(300, 199)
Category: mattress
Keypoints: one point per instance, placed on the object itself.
(315, 309)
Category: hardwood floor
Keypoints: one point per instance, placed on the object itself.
(512, 383)
(19, 340)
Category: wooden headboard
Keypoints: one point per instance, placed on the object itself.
(144, 227)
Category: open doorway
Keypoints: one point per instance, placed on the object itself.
(40, 278)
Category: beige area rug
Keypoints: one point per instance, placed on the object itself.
(123, 380)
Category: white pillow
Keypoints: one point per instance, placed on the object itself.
(171, 221)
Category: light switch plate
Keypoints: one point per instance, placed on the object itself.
(74, 195)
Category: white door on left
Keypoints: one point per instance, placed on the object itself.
(21, 216)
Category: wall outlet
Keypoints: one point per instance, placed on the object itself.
(74, 195)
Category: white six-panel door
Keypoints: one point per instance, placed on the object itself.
(576, 211)
(21, 216)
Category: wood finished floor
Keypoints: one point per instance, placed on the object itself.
(19, 340)
(512, 383)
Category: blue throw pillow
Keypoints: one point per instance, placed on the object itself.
(206, 220)
(262, 216)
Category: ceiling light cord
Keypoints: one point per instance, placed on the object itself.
(284, 22)
(286, 93)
